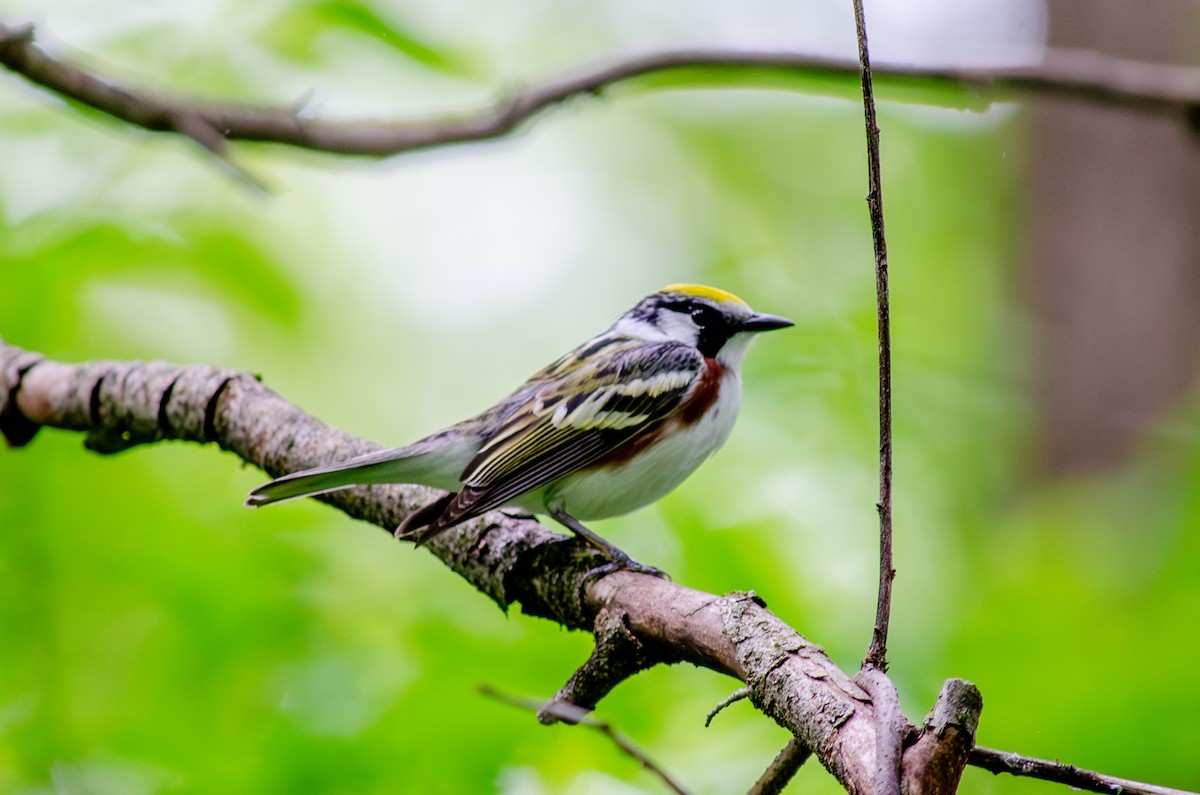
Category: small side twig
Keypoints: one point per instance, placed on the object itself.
(616, 656)
(877, 653)
(782, 769)
(19, 53)
(569, 713)
(200, 130)
(734, 697)
(1062, 773)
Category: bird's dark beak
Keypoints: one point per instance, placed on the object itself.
(760, 322)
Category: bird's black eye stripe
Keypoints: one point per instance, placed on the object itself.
(701, 313)
(715, 328)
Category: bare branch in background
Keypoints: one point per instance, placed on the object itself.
(568, 713)
(1147, 87)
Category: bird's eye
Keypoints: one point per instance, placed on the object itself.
(703, 315)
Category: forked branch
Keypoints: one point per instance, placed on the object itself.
(639, 619)
(118, 405)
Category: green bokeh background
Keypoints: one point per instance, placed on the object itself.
(157, 637)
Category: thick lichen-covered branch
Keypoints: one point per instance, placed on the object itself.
(643, 619)
(513, 560)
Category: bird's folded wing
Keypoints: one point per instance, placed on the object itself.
(575, 421)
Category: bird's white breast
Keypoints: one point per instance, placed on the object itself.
(651, 474)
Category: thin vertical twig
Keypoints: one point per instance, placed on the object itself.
(877, 653)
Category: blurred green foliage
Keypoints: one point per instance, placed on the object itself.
(157, 637)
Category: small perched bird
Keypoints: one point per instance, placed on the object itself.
(610, 427)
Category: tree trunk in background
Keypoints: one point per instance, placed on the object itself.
(1115, 244)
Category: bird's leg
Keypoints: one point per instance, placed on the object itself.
(617, 559)
(575, 526)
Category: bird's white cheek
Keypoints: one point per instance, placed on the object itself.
(734, 351)
(679, 327)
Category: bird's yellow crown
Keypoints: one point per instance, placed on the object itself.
(703, 291)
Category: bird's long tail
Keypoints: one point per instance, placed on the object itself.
(436, 460)
(388, 466)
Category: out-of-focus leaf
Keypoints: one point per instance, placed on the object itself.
(197, 252)
(294, 32)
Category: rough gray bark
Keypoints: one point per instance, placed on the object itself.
(639, 619)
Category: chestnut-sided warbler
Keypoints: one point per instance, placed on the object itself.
(610, 427)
